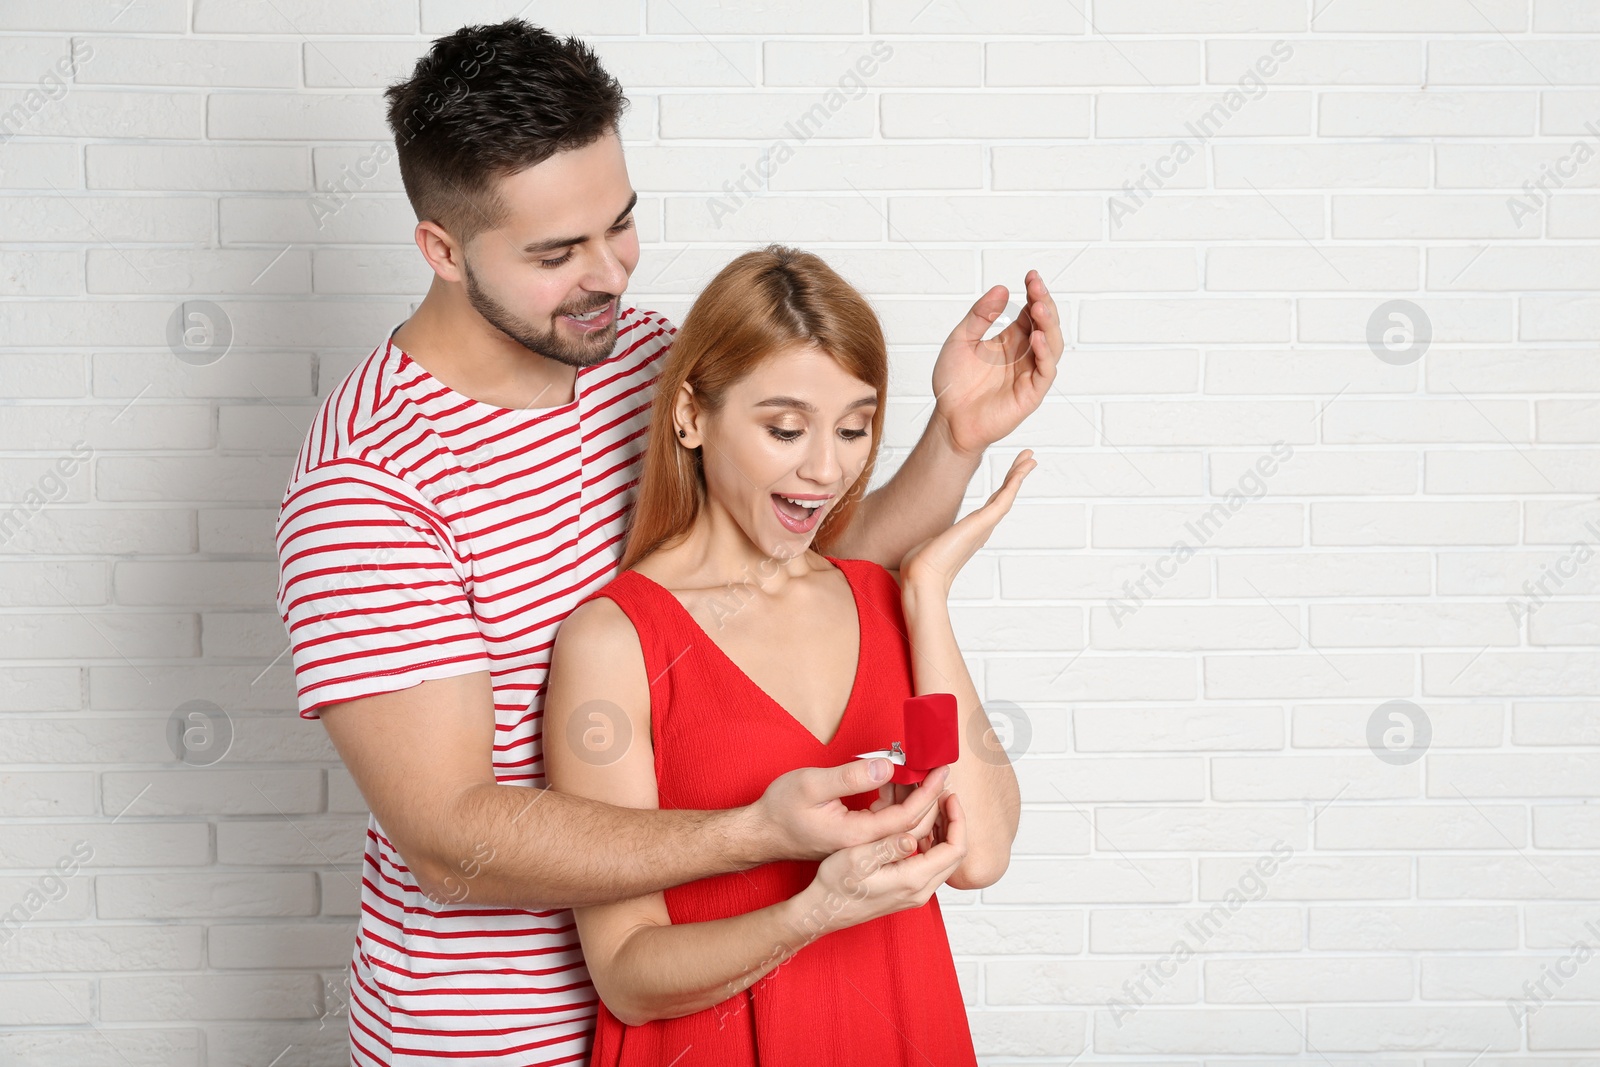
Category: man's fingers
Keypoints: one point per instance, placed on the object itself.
(848, 779)
(984, 312)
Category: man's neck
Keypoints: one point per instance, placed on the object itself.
(457, 347)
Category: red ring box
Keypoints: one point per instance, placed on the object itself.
(929, 738)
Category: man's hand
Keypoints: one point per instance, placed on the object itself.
(984, 389)
(802, 814)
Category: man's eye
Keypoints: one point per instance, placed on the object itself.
(556, 262)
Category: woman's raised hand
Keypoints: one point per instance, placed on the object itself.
(938, 559)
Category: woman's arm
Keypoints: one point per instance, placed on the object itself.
(982, 773)
(984, 779)
(642, 965)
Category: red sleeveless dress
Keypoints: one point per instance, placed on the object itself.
(883, 993)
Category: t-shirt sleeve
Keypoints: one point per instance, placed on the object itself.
(371, 587)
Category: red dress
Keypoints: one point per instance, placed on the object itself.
(882, 993)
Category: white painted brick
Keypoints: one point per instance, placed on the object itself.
(1565, 826)
(1196, 117)
(1323, 574)
(1201, 729)
(1180, 321)
(1307, 876)
(1501, 63)
(105, 113)
(299, 841)
(1055, 781)
(1279, 269)
(280, 945)
(1223, 218)
(1313, 166)
(1018, 16)
(1099, 270)
(1248, 981)
(797, 116)
(1426, 927)
(1025, 982)
(1213, 524)
(199, 792)
(1414, 827)
(1333, 372)
(209, 272)
(1091, 166)
(1453, 725)
(205, 895)
(97, 219)
(211, 996)
(1213, 1030)
(1375, 422)
(1194, 829)
(1302, 777)
(1326, 62)
(40, 165)
(1410, 625)
(1405, 216)
(366, 64)
(142, 1047)
(299, 17)
(798, 218)
(1427, 114)
(34, 793)
(1558, 318)
(1344, 319)
(1521, 775)
(261, 428)
(1424, 16)
(1190, 627)
(1568, 112)
(129, 844)
(1093, 63)
(189, 61)
(1199, 17)
(41, 274)
(1470, 1030)
(102, 636)
(1558, 16)
(825, 63)
(987, 115)
(1078, 881)
(40, 689)
(880, 167)
(295, 116)
(1414, 523)
(1555, 724)
(246, 531)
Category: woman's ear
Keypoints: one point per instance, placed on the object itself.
(686, 417)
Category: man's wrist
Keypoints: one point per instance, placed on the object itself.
(748, 836)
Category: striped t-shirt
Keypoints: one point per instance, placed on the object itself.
(425, 534)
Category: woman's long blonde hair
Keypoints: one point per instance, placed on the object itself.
(764, 302)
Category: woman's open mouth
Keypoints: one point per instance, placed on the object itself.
(596, 319)
(798, 514)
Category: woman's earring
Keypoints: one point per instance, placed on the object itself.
(682, 433)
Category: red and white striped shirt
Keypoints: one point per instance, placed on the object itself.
(425, 534)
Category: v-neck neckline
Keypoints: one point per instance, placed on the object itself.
(855, 682)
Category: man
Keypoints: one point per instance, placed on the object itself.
(464, 488)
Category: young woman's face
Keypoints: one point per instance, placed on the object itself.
(797, 428)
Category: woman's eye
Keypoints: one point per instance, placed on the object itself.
(853, 435)
(783, 435)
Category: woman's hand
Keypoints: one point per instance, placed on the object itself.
(857, 885)
(935, 562)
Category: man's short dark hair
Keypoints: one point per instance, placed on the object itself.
(488, 101)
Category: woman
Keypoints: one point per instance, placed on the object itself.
(731, 649)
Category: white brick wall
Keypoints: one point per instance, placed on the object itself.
(1214, 860)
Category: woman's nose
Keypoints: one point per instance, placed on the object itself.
(822, 460)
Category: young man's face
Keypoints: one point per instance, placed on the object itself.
(552, 276)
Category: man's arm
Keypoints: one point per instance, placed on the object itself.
(421, 757)
(982, 391)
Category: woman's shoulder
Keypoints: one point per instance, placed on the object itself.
(878, 577)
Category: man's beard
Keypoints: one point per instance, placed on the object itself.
(584, 352)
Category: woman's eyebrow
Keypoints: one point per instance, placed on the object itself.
(806, 405)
